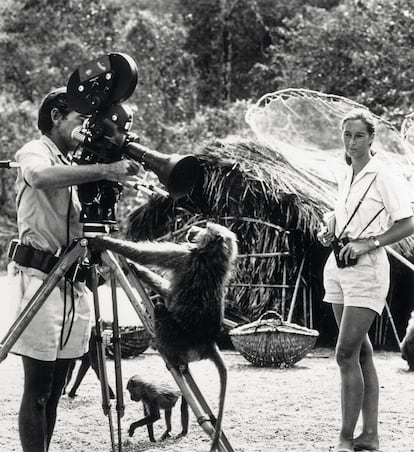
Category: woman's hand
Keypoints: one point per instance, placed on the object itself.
(355, 248)
(324, 236)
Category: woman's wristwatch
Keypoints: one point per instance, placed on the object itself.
(377, 243)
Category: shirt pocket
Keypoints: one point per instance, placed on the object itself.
(370, 206)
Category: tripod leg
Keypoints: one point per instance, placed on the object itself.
(76, 252)
(137, 304)
(199, 396)
(198, 404)
(116, 338)
(135, 280)
(100, 351)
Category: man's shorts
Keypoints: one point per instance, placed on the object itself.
(364, 285)
(44, 338)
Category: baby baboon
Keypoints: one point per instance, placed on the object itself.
(407, 345)
(89, 359)
(155, 398)
(188, 324)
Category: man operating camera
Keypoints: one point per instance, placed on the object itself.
(48, 220)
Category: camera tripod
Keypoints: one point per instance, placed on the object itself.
(123, 272)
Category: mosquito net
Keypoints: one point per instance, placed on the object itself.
(304, 126)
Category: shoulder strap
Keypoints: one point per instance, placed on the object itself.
(371, 220)
(357, 207)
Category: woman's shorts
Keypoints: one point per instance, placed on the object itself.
(364, 285)
(44, 338)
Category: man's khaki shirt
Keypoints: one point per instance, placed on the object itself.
(47, 219)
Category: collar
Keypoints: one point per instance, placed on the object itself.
(371, 167)
(54, 149)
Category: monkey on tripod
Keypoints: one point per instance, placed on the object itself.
(188, 323)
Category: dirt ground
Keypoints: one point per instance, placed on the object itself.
(293, 409)
(276, 410)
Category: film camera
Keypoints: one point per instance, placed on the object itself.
(97, 89)
(337, 245)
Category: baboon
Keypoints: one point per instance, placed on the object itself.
(155, 398)
(407, 345)
(189, 321)
(89, 359)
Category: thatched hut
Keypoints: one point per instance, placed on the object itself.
(275, 210)
(273, 196)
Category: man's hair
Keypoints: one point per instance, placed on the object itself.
(55, 99)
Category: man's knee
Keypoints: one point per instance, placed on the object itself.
(34, 403)
(41, 400)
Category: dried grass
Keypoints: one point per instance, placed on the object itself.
(270, 205)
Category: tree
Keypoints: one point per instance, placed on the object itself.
(44, 40)
(167, 87)
(362, 50)
(227, 38)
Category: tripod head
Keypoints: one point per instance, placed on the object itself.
(97, 89)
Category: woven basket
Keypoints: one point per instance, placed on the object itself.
(272, 342)
(134, 341)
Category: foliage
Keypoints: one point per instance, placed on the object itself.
(166, 91)
(58, 34)
(362, 50)
(207, 124)
(227, 39)
(232, 40)
(81, 32)
(17, 121)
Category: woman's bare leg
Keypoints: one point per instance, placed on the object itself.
(354, 324)
(368, 439)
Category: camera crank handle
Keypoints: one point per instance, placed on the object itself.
(148, 189)
(8, 164)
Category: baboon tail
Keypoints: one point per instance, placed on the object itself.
(222, 370)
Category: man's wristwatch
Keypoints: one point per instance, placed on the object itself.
(376, 242)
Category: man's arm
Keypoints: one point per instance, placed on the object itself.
(65, 176)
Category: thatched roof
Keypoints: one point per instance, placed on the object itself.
(242, 179)
(269, 204)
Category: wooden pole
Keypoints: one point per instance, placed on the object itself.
(284, 282)
(295, 291)
(409, 265)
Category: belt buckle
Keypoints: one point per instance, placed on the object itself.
(13, 245)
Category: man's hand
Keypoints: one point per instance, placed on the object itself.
(121, 171)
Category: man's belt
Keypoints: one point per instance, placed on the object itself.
(27, 256)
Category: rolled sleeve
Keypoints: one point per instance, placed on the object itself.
(394, 192)
(31, 158)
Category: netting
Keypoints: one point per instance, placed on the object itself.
(304, 126)
(407, 133)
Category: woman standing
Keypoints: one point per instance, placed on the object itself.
(372, 211)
